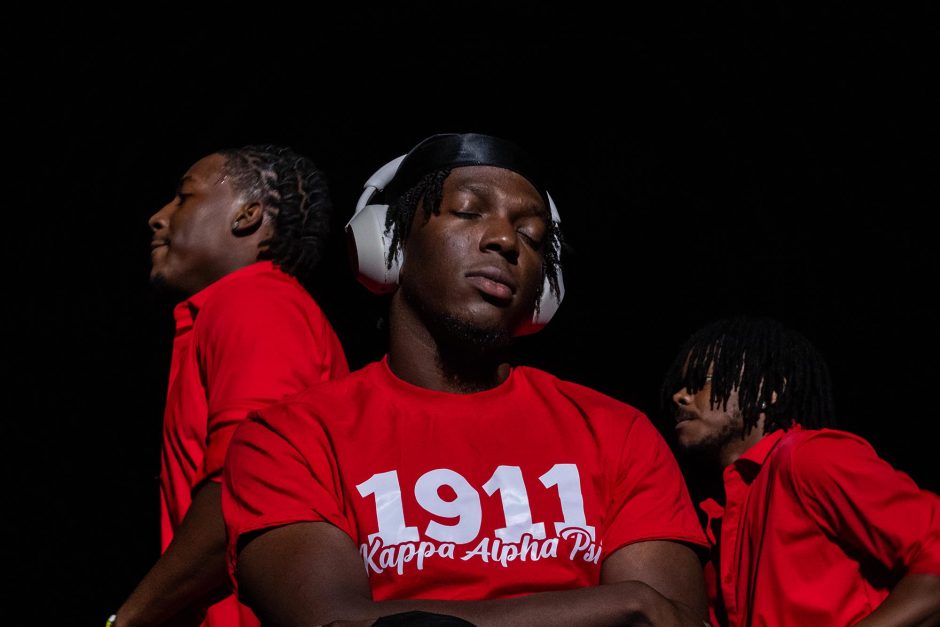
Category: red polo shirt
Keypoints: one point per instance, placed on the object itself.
(245, 341)
(816, 530)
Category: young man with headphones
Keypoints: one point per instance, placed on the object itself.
(462, 485)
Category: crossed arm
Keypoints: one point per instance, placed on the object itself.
(311, 574)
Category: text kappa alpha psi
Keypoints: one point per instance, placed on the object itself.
(445, 493)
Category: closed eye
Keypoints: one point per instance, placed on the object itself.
(466, 215)
(534, 242)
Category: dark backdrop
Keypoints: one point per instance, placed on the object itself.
(705, 161)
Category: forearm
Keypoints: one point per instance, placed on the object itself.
(190, 575)
(623, 603)
(914, 601)
(311, 574)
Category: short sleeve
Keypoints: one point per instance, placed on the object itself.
(650, 498)
(269, 481)
(258, 342)
(866, 504)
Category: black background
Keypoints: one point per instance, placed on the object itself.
(705, 160)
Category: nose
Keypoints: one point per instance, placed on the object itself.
(682, 397)
(500, 236)
(161, 218)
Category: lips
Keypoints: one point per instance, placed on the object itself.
(493, 281)
(156, 246)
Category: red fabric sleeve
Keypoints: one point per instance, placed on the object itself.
(713, 591)
(859, 498)
(269, 482)
(257, 343)
(651, 500)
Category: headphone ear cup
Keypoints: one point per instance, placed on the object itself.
(548, 305)
(366, 238)
(368, 247)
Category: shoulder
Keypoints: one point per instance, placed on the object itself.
(593, 404)
(575, 391)
(818, 460)
(267, 299)
(259, 290)
(328, 399)
(307, 418)
(817, 449)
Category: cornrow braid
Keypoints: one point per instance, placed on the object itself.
(758, 356)
(294, 190)
(430, 188)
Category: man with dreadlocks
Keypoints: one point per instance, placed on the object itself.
(239, 241)
(464, 485)
(815, 528)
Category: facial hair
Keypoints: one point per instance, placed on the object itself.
(162, 290)
(468, 353)
(709, 448)
(453, 332)
(459, 332)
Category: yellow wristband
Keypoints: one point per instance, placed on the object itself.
(112, 621)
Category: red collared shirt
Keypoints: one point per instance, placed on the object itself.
(816, 530)
(245, 341)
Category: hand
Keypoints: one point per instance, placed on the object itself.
(407, 619)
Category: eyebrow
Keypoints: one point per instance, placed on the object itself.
(183, 181)
(480, 189)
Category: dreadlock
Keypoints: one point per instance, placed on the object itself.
(430, 188)
(756, 356)
(296, 193)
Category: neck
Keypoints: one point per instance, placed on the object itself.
(221, 270)
(737, 447)
(438, 360)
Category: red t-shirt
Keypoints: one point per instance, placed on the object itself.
(519, 489)
(245, 341)
(816, 530)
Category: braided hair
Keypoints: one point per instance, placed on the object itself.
(758, 357)
(296, 193)
(430, 188)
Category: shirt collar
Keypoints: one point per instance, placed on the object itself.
(751, 461)
(186, 311)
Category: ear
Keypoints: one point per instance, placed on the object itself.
(247, 218)
(773, 399)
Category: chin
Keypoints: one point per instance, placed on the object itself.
(157, 280)
(475, 332)
(694, 446)
(163, 287)
(462, 320)
(710, 444)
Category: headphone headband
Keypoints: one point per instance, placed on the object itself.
(453, 150)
